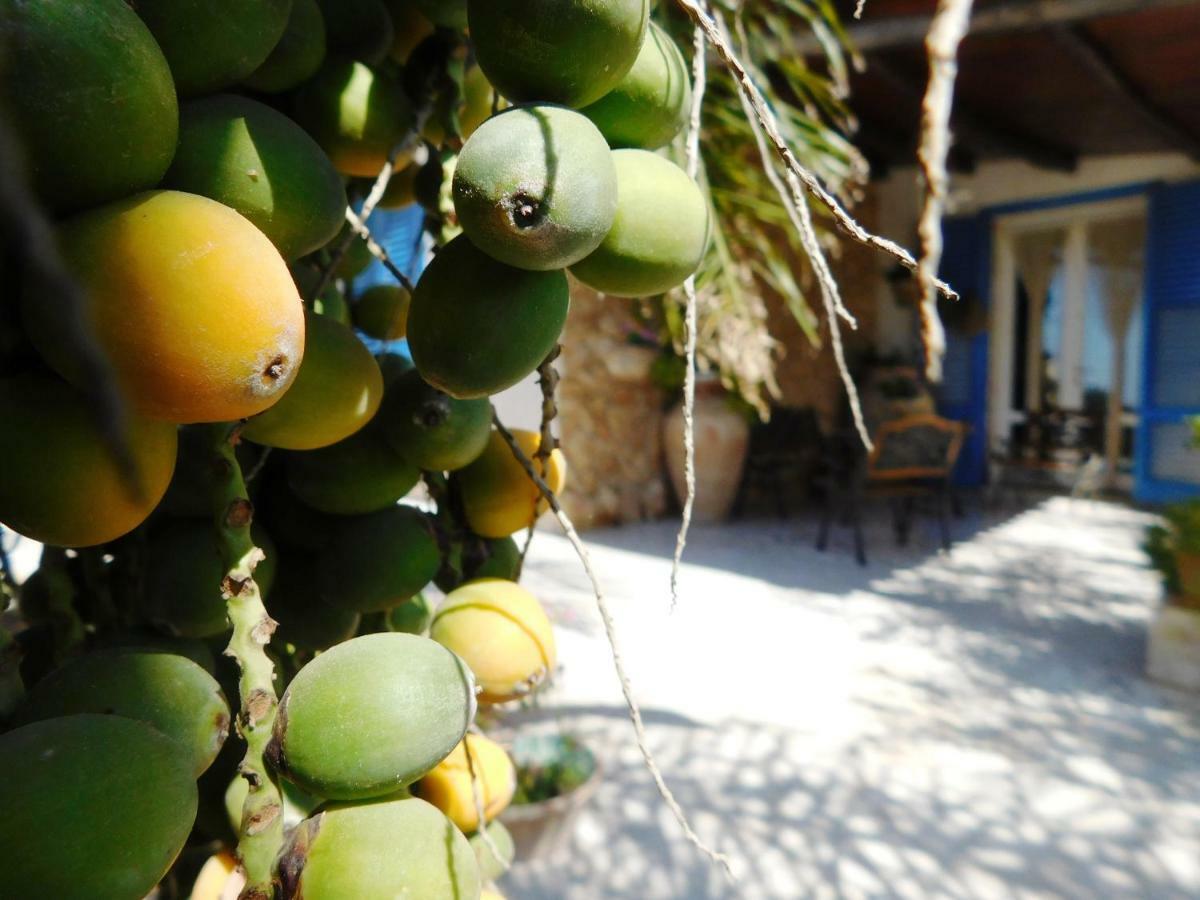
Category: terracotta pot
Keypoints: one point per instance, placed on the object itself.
(722, 436)
(1188, 565)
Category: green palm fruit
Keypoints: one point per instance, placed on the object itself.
(535, 187)
(477, 326)
(571, 52)
(91, 97)
(660, 232)
(164, 690)
(652, 103)
(94, 806)
(297, 55)
(377, 561)
(248, 156)
(431, 429)
(370, 716)
(360, 474)
(379, 851)
(212, 44)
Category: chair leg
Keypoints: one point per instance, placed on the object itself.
(904, 508)
(826, 521)
(943, 503)
(860, 548)
(780, 500)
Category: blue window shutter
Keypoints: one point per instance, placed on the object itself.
(401, 233)
(1166, 468)
(966, 266)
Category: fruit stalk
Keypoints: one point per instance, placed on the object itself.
(260, 836)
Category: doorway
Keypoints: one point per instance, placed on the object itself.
(1066, 340)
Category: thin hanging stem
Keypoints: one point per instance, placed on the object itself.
(699, 81)
(260, 835)
(791, 165)
(377, 250)
(548, 383)
(800, 215)
(480, 811)
(635, 713)
(946, 32)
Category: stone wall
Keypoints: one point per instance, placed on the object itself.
(807, 376)
(610, 416)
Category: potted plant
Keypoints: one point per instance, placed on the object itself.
(556, 775)
(1173, 653)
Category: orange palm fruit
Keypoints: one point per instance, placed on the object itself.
(192, 305)
(62, 482)
(499, 498)
(501, 632)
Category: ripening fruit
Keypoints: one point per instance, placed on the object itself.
(501, 632)
(182, 594)
(370, 716)
(62, 483)
(297, 55)
(219, 870)
(492, 867)
(253, 159)
(360, 474)
(356, 114)
(305, 619)
(659, 235)
(431, 429)
(448, 784)
(410, 27)
(498, 496)
(375, 562)
(94, 806)
(91, 98)
(378, 851)
(571, 52)
(212, 44)
(169, 692)
(381, 311)
(477, 326)
(489, 894)
(192, 305)
(652, 103)
(336, 392)
(358, 29)
(411, 617)
(535, 187)
(502, 560)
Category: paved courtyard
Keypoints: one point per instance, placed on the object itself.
(970, 725)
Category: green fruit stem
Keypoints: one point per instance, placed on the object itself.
(260, 836)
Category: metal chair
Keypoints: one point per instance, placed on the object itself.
(913, 457)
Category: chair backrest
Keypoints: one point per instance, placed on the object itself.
(917, 446)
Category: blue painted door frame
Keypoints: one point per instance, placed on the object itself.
(967, 267)
(1165, 467)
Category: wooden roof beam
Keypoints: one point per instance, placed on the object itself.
(976, 129)
(1095, 57)
(1014, 15)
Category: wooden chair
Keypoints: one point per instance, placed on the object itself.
(913, 457)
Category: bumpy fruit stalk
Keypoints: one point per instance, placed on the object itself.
(261, 834)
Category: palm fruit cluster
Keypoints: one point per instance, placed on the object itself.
(182, 268)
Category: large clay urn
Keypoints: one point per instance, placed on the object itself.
(722, 435)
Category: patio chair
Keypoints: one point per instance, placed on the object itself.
(783, 453)
(913, 458)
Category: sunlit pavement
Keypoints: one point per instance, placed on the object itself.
(970, 725)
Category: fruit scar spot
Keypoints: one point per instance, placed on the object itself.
(525, 210)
